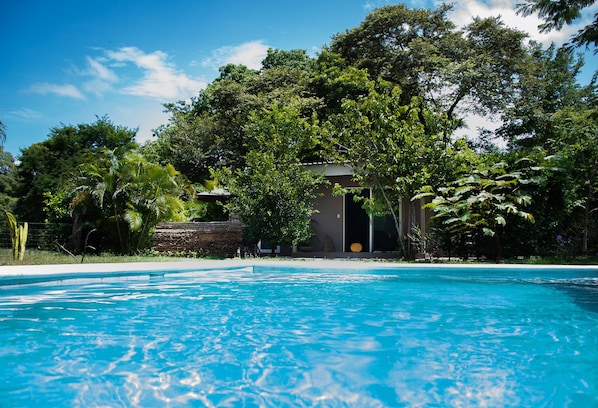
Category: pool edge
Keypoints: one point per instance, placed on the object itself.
(22, 274)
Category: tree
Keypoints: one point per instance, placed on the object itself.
(43, 166)
(453, 71)
(553, 112)
(274, 195)
(548, 84)
(333, 80)
(387, 41)
(392, 148)
(2, 132)
(8, 182)
(211, 132)
(187, 143)
(125, 197)
(558, 13)
(577, 147)
(480, 203)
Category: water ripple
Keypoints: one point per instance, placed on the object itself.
(306, 339)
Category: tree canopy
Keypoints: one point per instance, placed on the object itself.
(558, 13)
(274, 194)
(454, 71)
(124, 196)
(8, 182)
(2, 132)
(44, 166)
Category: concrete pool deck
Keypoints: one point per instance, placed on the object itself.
(21, 274)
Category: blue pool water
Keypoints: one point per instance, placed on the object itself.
(268, 337)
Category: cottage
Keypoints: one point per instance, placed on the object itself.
(342, 227)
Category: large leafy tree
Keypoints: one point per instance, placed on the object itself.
(211, 132)
(333, 80)
(273, 194)
(576, 145)
(8, 182)
(43, 166)
(125, 196)
(558, 13)
(552, 115)
(187, 142)
(390, 42)
(454, 71)
(394, 149)
(548, 84)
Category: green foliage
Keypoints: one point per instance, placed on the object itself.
(186, 143)
(558, 13)
(44, 166)
(274, 195)
(547, 85)
(8, 181)
(212, 131)
(56, 206)
(296, 59)
(577, 147)
(388, 43)
(454, 71)
(18, 236)
(2, 132)
(126, 196)
(392, 148)
(333, 80)
(480, 203)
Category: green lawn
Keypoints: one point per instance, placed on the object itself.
(37, 257)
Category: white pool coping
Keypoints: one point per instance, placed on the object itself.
(11, 274)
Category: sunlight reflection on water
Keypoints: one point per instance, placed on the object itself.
(298, 339)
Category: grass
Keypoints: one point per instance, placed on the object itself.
(38, 257)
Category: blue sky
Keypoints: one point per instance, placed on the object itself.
(68, 61)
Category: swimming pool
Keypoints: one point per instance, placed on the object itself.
(302, 335)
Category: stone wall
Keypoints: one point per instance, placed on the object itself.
(205, 238)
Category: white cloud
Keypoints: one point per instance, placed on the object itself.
(24, 113)
(160, 78)
(464, 11)
(66, 90)
(100, 71)
(250, 54)
(103, 77)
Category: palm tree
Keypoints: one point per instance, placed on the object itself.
(154, 194)
(2, 133)
(132, 194)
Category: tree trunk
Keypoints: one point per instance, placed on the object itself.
(411, 218)
(587, 215)
(394, 216)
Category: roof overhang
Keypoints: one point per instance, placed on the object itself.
(330, 169)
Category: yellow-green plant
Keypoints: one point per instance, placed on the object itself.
(18, 236)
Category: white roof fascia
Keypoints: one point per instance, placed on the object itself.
(331, 169)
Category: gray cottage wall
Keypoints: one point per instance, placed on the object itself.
(327, 223)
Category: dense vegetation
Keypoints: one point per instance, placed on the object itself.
(391, 98)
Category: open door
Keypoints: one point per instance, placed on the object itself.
(357, 224)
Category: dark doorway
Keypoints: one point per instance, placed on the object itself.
(357, 223)
(385, 234)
